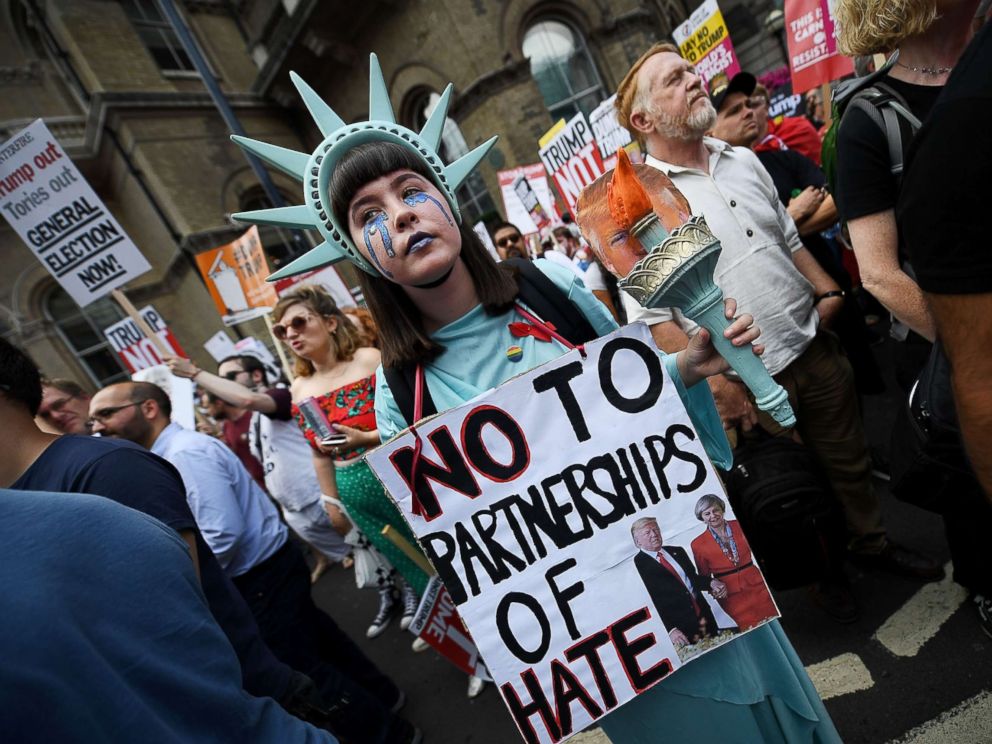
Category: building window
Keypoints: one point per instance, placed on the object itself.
(157, 35)
(82, 331)
(563, 69)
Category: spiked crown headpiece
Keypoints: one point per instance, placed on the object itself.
(315, 170)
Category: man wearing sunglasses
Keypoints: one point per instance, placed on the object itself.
(64, 407)
(273, 439)
(509, 242)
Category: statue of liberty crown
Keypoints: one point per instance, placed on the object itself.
(315, 170)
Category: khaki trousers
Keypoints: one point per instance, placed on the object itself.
(820, 384)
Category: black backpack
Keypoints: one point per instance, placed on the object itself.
(539, 294)
(884, 107)
(785, 505)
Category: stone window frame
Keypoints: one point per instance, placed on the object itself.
(571, 102)
(146, 17)
(82, 350)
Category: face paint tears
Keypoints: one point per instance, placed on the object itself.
(378, 225)
(420, 197)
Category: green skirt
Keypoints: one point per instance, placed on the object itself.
(371, 509)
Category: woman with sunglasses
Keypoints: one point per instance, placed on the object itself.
(382, 198)
(339, 374)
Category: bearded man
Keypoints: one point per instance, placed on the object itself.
(764, 265)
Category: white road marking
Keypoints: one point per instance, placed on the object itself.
(917, 621)
(595, 736)
(969, 722)
(840, 675)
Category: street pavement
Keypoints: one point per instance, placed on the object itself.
(914, 669)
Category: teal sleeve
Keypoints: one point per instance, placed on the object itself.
(388, 418)
(587, 303)
(698, 401)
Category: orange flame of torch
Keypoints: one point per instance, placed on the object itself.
(627, 199)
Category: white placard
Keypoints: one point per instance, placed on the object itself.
(220, 346)
(528, 496)
(179, 390)
(62, 220)
(610, 136)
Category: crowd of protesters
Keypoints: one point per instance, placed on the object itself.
(259, 661)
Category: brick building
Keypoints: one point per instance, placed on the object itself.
(115, 86)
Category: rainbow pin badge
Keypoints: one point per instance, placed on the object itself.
(514, 353)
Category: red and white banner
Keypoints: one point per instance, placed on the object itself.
(570, 155)
(437, 623)
(135, 349)
(812, 39)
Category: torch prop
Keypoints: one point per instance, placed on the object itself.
(676, 270)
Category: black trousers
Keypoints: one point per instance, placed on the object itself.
(278, 592)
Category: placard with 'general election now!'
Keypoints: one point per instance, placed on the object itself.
(62, 220)
(581, 531)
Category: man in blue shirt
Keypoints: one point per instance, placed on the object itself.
(132, 476)
(90, 654)
(243, 530)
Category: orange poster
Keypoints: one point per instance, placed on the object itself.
(235, 275)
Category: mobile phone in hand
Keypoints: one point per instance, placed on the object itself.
(334, 439)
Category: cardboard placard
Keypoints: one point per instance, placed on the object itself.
(58, 215)
(705, 41)
(326, 277)
(235, 275)
(136, 350)
(437, 623)
(179, 390)
(812, 40)
(527, 199)
(571, 157)
(529, 498)
(610, 136)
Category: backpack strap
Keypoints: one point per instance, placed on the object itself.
(549, 303)
(536, 291)
(402, 384)
(884, 107)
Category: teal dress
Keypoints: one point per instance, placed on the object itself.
(752, 690)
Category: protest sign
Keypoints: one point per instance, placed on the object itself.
(570, 156)
(812, 41)
(326, 277)
(527, 498)
(479, 228)
(610, 136)
(135, 349)
(705, 42)
(64, 223)
(179, 390)
(253, 347)
(438, 623)
(235, 275)
(527, 199)
(220, 346)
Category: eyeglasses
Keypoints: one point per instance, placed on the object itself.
(297, 324)
(504, 242)
(233, 374)
(105, 413)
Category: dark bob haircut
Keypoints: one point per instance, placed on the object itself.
(20, 379)
(401, 328)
